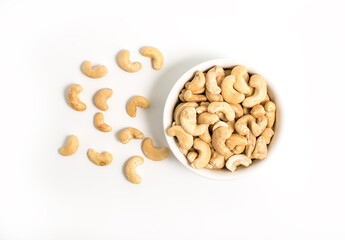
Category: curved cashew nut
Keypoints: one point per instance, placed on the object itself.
(179, 108)
(260, 85)
(153, 153)
(270, 108)
(223, 107)
(241, 82)
(93, 72)
(131, 173)
(71, 147)
(204, 154)
(267, 134)
(237, 107)
(219, 124)
(251, 144)
(188, 122)
(259, 126)
(191, 156)
(217, 161)
(99, 159)
(126, 64)
(197, 83)
(229, 94)
(258, 111)
(100, 124)
(236, 160)
(241, 125)
(211, 79)
(199, 91)
(190, 97)
(208, 118)
(156, 55)
(73, 98)
(206, 137)
(101, 98)
(214, 97)
(185, 140)
(135, 102)
(129, 134)
(181, 95)
(201, 109)
(220, 135)
(260, 151)
(236, 140)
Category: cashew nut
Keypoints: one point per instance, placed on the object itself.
(237, 107)
(206, 137)
(220, 135)
(101, 98)
(236, 160)
(267, 98)
(267, 134)
(100, 124)
(221, 116)
(241, 82)
(270, 108)
(155, 54)
(204, 154)
(236, 140)
(153, 153)
(135, 102)
(241, 125)
(260, 151)
(199, 91)
(191, 156)
(207, 118)
(219, 124)
(93, 72)
(214, 97)
(131, 173)
(201, 109)
(179, 108)
(250, 145)
(71, 147)
(185, 140)
(126, 64)
(197, 83)
(258, 111)
(211, 79)
(260, 85)
(182, 150)
(239, 149)
(99, 159)
(258, 126)
(217, 161)
(73, 98)
(223, 107)
(129, 134)
(181, 95)
(188, 122)
(190, 97)
(229, 94)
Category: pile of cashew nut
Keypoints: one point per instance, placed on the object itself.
(100, 101)
(224, 118)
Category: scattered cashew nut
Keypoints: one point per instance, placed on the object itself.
(131, 173)
(204, 154)
(101, 98)
(156, 55)
(73, 98)
(93, 72)
(135, 102)
(126, 64)
(100, 124)
(129, 134)
(71, 147)
(236, 160)
(99, 159)
(153, 153)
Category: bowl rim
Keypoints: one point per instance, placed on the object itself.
(170, 104)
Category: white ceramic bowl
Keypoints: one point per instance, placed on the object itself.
(172, 100)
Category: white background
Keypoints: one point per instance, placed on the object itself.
(299, 194)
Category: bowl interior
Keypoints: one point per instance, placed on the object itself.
(173, 100)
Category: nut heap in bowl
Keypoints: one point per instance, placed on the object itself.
(224, 119)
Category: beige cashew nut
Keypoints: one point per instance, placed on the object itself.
(156, 55)
(220, 135)
(237, 107)
(258, 111)
(185, 140)
(258, 125)
(129, 134)
(101, 98)
(188, 122)
(191, 156)
(217, 161)
(204, 154)
(100, 124)
(135, 102)
(93, 72)
(211, 79)
(197, 83)
(219, 124)
(214, 97)
(229, 94)
(267, 134)
(260, 151)
(270, 108)
(223, 107)
(73, 98)
(260, 85)
(71, 147)
(236, 140)
(154, 153)
(179, 108)
(131, 173)
(207, 118)
(250, 145)
(241, 82)
(190, 97)
(126, 64)
(99, 159)
(237, 160)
